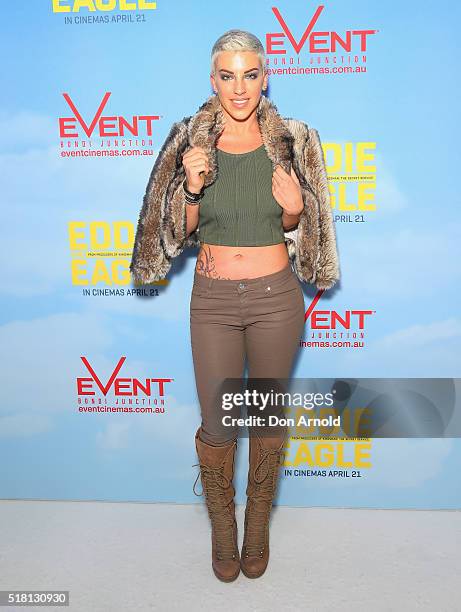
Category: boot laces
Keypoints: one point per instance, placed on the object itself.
(215, 484)
(260, 501)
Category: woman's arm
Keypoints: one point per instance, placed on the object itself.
(289, 221)
(192, 212)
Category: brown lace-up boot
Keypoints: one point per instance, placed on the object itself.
(265, 458)
(217, 471)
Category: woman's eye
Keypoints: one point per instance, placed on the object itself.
(226, 77)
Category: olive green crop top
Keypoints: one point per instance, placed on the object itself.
(238, 209)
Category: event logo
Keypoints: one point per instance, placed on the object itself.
(101, 254)
(107, 135)
(103, 6)
(332, 51)
(352, 180)
(334, 329)
(120, 394)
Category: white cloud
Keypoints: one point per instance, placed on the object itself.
(405, 463)
(418, 336)
(26, 128)
(40, 360)
(115, 435)
(403, 262)
(430, 350)
(390, 198)
(24, 424)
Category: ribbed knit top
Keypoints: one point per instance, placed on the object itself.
(238, 209)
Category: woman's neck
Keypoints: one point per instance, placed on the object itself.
(245, 129)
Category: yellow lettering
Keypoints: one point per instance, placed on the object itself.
(75, 235)
(117, 272)
(57, 8)
(106, 5)
(100, 274)
(343, 205)
(337, 157)
(303, 455)
(349, 158)
(88, 4)
(364, 196)
(327, 454)
(362, 156)
(62, 6)
(119, 243)
(362, 455)
(122, 266)
(78, 268)
(127, 6)
(95, 244)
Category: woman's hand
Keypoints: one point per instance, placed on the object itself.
(287, 191)
(195, 163)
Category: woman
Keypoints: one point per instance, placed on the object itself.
(268, 204)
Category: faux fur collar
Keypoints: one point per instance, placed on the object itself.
(206, 125)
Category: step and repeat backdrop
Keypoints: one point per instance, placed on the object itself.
(98, 391)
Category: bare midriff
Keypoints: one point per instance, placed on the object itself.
(229, 262)
(236, 262)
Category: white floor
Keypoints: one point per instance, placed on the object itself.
(126, 556)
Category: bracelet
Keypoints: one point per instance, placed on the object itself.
(192, 198)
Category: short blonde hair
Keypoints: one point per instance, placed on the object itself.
(238, 40)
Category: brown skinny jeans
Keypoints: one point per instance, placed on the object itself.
(259, 319)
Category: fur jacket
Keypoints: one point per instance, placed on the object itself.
(161, 229)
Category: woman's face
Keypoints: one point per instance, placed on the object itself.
(238, 77)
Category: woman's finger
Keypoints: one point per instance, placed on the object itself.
(281, 172)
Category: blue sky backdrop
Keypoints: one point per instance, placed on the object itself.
(402, 262)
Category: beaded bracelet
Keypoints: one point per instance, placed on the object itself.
(192, 198)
